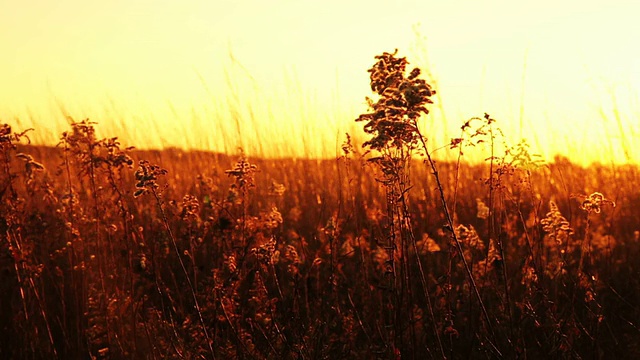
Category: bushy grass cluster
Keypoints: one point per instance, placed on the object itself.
(109, 252)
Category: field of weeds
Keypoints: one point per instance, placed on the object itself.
(112, 252)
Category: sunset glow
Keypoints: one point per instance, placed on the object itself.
(288, 78)
(298, 179)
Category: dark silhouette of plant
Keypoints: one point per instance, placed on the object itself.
(392, 122)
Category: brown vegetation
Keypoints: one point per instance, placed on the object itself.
(109, 252)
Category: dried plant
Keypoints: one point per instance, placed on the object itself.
(198, 255)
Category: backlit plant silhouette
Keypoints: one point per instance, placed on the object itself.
(111, 252)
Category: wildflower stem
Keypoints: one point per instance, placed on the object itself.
(167, 227)
(447, 214)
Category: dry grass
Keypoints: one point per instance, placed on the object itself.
(110, 252)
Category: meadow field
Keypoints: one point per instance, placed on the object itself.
(111, 252)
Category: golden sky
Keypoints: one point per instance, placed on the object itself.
(291, 74)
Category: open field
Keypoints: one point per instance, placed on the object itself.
(296, 265)
(110, 252)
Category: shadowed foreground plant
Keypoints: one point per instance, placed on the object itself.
(396, 136)
(314, 259)
(147, 177)
(33, 328)
(392, 122)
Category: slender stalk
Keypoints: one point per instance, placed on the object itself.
(450, 224)
(167, 227)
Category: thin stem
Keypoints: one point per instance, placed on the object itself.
(445, 208)
(165, 221)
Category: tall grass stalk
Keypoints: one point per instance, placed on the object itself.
(147, 176)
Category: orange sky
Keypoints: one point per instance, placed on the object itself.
(291, 75)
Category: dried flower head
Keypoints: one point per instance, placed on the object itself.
(276, 189)
(243, 172)
(482, 209)
(402, 100)
(146, 177)
(594, 202)
(556, 226)
(470, 237)
(8, 137)
(427, 245)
